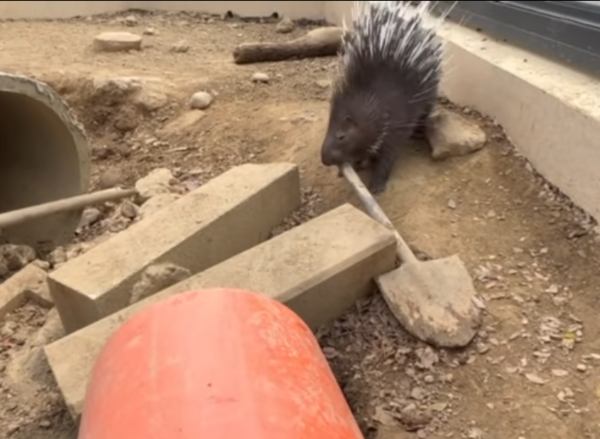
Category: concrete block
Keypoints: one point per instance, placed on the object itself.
(13, 290)
(229, 214)
(40, 291)
(319, 269)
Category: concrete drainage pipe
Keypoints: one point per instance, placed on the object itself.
(44, 157)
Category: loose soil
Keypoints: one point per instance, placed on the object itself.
(534, 370)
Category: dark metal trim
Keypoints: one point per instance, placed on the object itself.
(565, 31)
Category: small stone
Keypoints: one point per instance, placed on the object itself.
(581, 367)
(126, 120)
(156, 182)
(4, 271)
(201, 100)
(150, 31)
(260, 78)
(90, 216)
(417, 393)
(110, 178)
(285, 26)
(17, 256)
(452, 135)
(117, 224)
(57, 256)
(130, 20)
(117, 42)
(483, 348)
(45, 424)
(12, 428)
(180, 47)
(452, 204)
(323, 83)
(129, 210)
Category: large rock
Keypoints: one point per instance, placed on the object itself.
(117, 42)
(147, 93)
(452, 135)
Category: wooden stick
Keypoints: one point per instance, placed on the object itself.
(319, 42)
(376, 212)
(73, 203)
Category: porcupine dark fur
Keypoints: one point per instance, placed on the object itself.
(390, 66)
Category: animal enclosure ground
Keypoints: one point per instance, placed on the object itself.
(534, 370)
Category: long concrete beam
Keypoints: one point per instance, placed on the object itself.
(319, 269)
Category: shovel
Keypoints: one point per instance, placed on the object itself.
(433, 300)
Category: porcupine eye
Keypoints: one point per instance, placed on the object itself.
(340, 134)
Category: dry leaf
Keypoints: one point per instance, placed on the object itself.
(535, 379)
(438, 406)
(384, 417)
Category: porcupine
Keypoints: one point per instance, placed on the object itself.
(390, 67)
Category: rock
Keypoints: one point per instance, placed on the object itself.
(156, 182)
(117, 42)
(150, 31)
(323, 83)
(148, 93)
(117, 223)
(260, 78)
(130, 20)
(180, 47)
(4, 271)
(201, 100)
(129, 210)
(156, 203)
(90, 216)
(452, 135)
(126, 119)
(157, 277)
(285, 26)
(45, 424)
(16, 256)
(110, 178)
(57, 256)
(326, 35)
(417, 393)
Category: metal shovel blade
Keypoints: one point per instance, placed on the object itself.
(433, 300)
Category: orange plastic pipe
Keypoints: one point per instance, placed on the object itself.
(215, 364)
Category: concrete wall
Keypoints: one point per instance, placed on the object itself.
(66, 9)
(21, 9)
(295, 9)
(549, 111)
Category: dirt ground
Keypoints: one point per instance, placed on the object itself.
(534, 370)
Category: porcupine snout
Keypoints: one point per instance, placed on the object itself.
(330, 154)
(330, 157)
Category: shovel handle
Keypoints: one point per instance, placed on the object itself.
(73, 203)
(376, 212)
